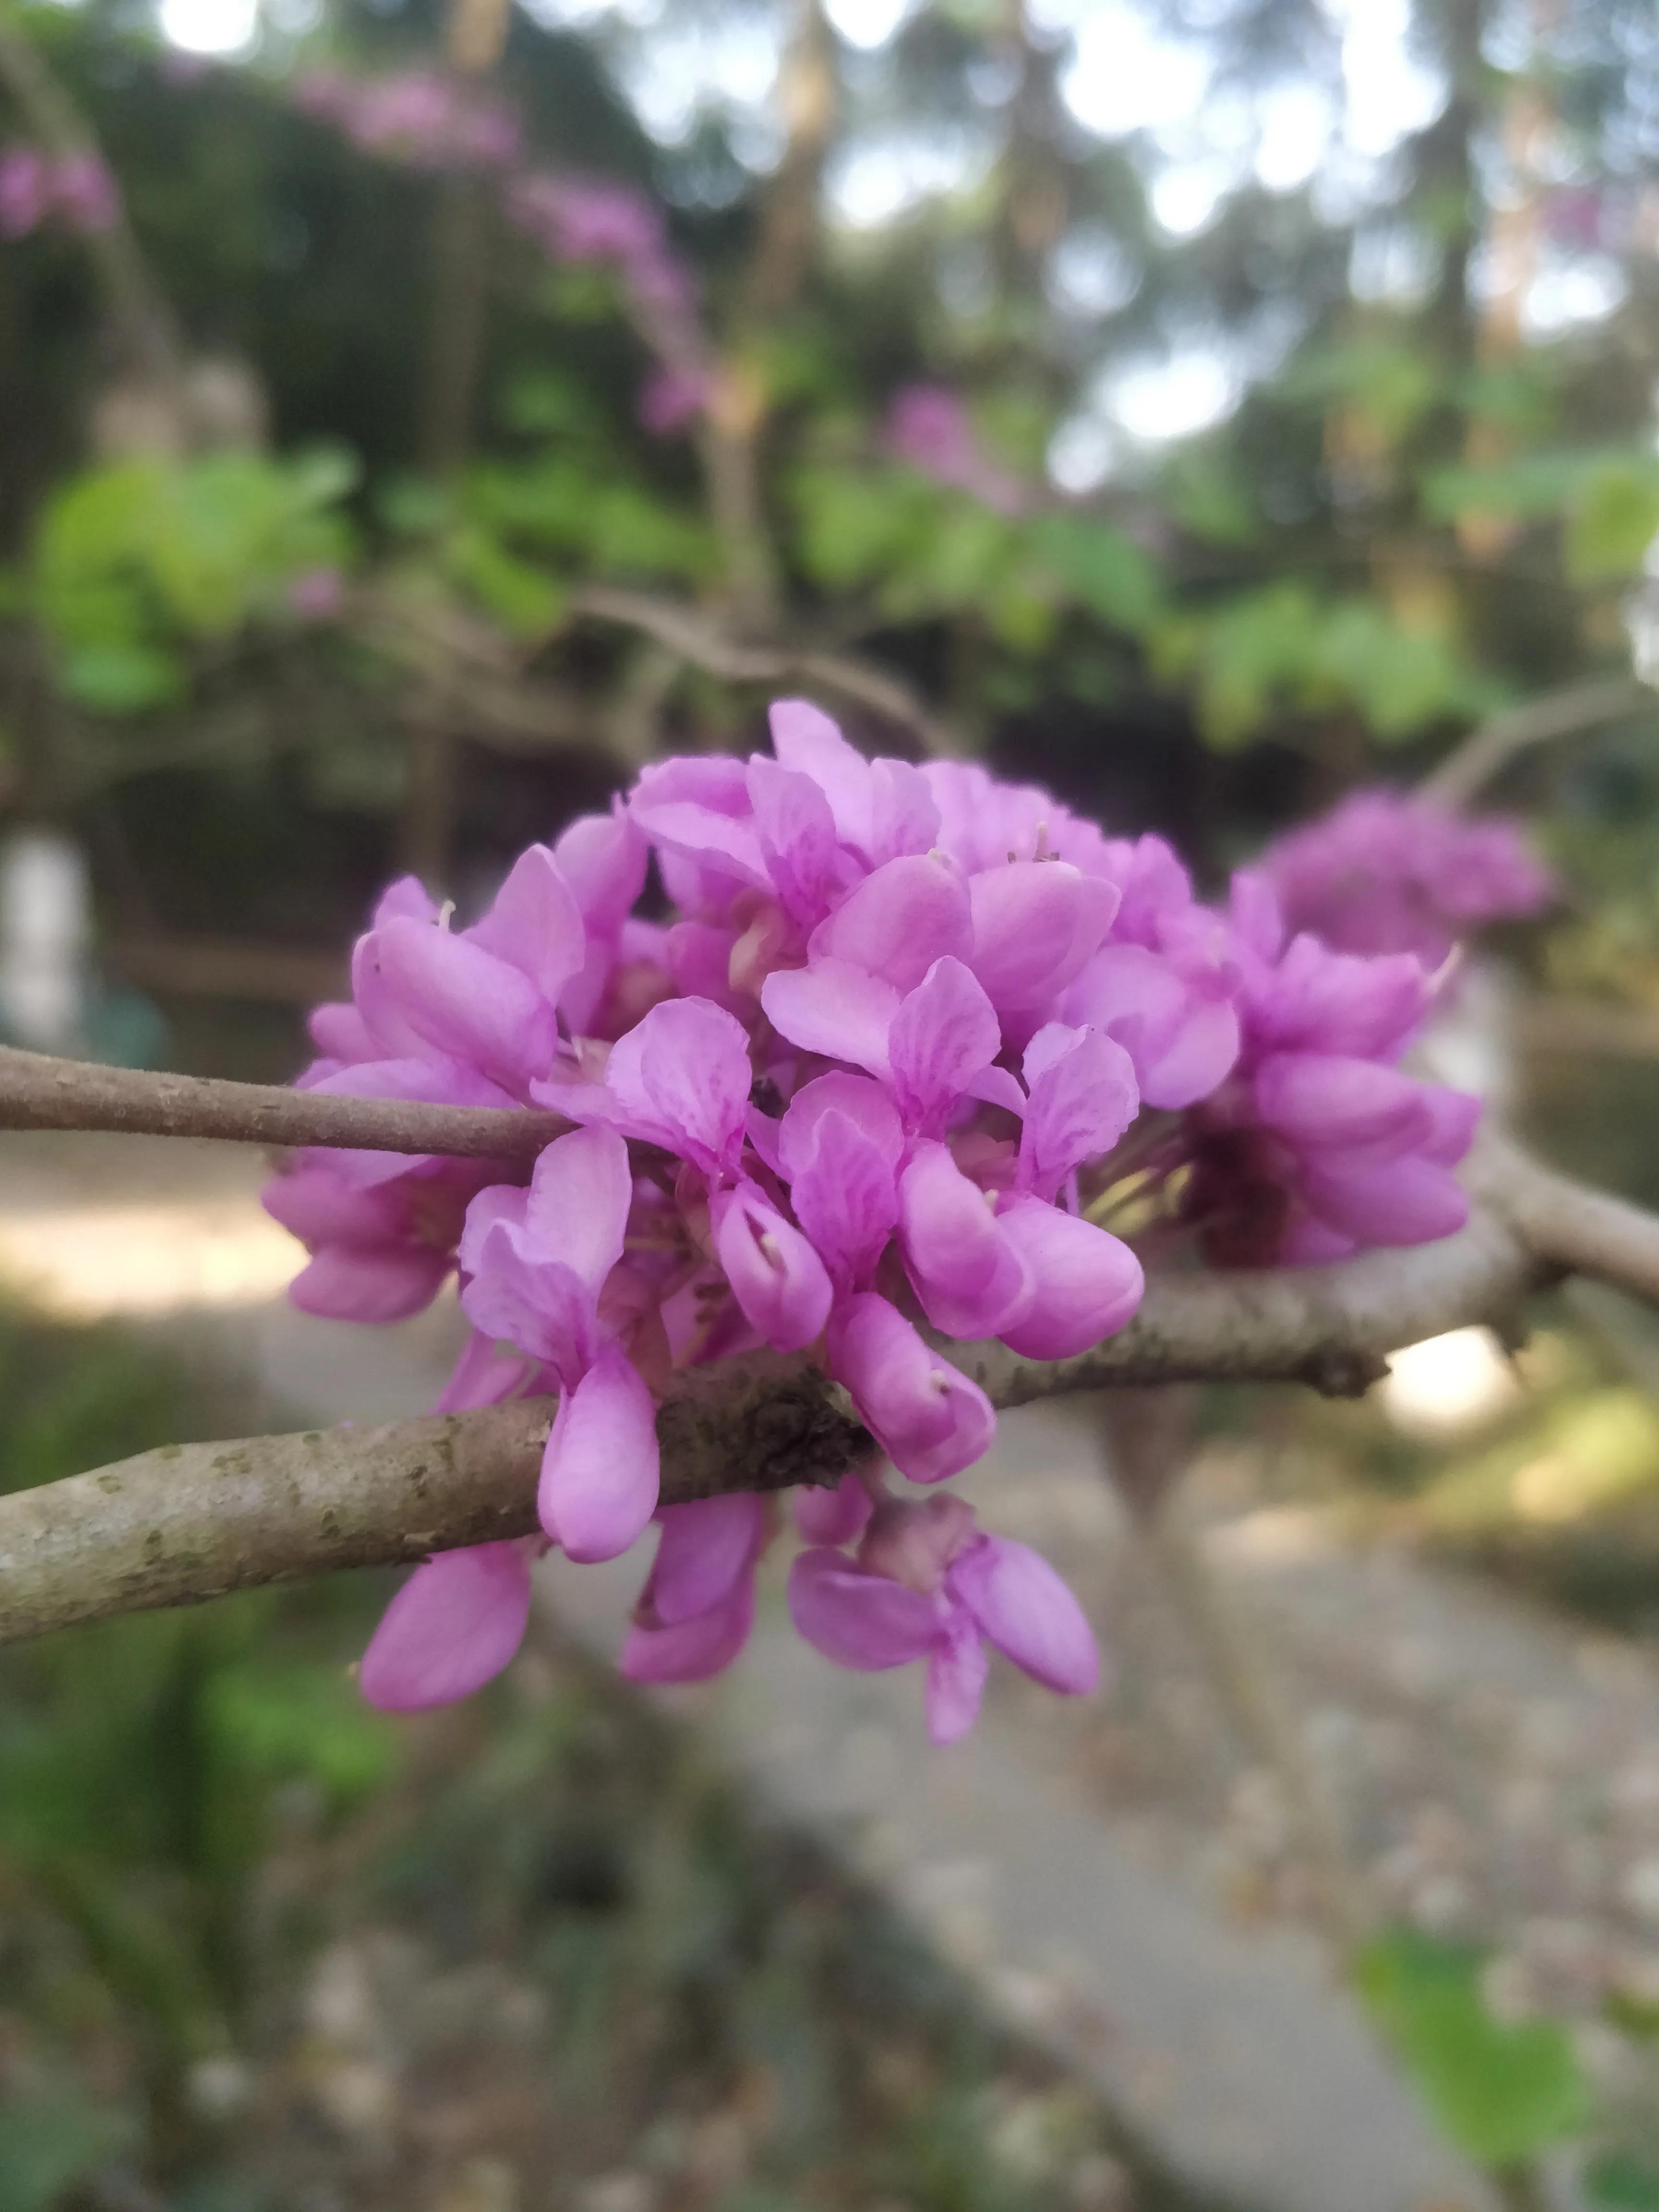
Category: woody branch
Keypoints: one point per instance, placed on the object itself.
(190, 1521)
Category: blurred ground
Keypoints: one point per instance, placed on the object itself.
(1115, 1879)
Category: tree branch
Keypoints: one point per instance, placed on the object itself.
(191, 1521)
(1489, 750)
(684, 633)
(39, 1092)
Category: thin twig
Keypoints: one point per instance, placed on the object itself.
(137, 309)
(39, 1092)
(1488, 749)
(684, 632)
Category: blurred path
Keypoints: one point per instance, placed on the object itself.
(1114, 1873)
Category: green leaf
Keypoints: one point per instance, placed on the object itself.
(523, 599)
(47, 2145)
(1108, 574)
(279, 1721)
(1614, 522)
(1501, 2091)
(117, 678)
(1615, 2182)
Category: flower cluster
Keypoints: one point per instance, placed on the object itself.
(929, 427)
(75, 190)
(427, 120)
(1388, 873)
(907, 1049)
(612, 226)
(418, 117)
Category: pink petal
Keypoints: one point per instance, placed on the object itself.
(928, 1417)
(945, 1034)
(462, 1000)
(1088, 1283)
(681, 1076)
(846, 1197)
(957, 1668)
(833, 1516)
(904, 815)
(775, 1274)
(540, 1305)
(1322, 1099)
(719, 842)
(408, 897)
(691, 1651)
(602, 1468)
(1183, 1043)
(453, 1626)
(322, 1207)
(798, 837)
(576, 1210)
(1197, 1060)
(834, 1008)
(911, 912)
(1453, 1118)
(341, 1033)
(971, 1281)
(390, 1284)
(603, 858)
(706, 1550)
(1035, 923)
(1083, 1097)
(864, 1102)
(1023, 1608)
(1410, 1200)
(859, 1620)
(482, 1375)
(535, 924)
(700, 961)
(806, 739)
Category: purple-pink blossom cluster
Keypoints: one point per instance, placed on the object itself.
(75, 190)
(426, 119)
(909, 1048)
(577, 219)
(930, 428)
(422, 117)
(1386, 872)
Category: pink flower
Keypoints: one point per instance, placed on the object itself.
(679, 1078)
(926, 1416)
(1387, 872)
(486, 996)
(25, 190)
(926, 1584)
(455, 1623)
(1319, 1145)
(698, 1603)
(316, 594)
(534, 1264)
(776, 1276)
(84, 194)
(880, 1065)
(672, 398)
(928, 426)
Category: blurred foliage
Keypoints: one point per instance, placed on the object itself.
(1419, 494)
(1501, 2091)
(202, 1827)
(135, 562)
